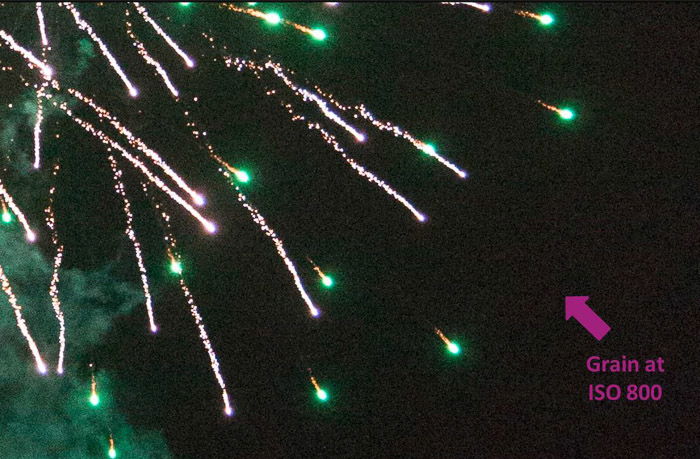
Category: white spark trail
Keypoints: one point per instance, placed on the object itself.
(30, 235)
(42, 26)
(131, 234)
(82, 25)
(7, 288)
(188, 60)
(46, 70)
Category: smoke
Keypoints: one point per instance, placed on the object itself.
(49, 416)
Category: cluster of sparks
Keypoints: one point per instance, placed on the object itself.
(136, 153)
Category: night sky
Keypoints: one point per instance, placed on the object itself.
(604, 206)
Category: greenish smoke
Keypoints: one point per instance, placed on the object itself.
(50, 416)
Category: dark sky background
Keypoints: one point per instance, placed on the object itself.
(606, 206)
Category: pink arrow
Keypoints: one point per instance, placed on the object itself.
(576, 307)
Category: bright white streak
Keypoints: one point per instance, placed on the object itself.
(131, 234)
(37, 126)
(46, 71)
(105, 139)
(40, 365)
(137, 143)
(42, 26)
(484, 7)
(308, 95)
(194, 311)
(29, 234)
(422, 146)
(56, 303)
(279, 245)
(147, 57)
(82, 25)
(188, 60)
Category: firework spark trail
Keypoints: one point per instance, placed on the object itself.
(199, 321)
(82, 25)
(138, 144)
(46, 70)
(361, 170)
(42, 26)
(147, 57)
(40, 91)
(483, 7)
(397, 131)
(562, 112)
(58, 258)
(119, 188)
(30, 235)
(7, 288)
(37, 125)
(305, 94)
(274, 18)
(330, 139)
(270, 233)
(144, 14)
(105, 139)
(544, 19)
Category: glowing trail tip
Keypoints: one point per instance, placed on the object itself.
(273, 18)
(327, 281)
(318, 34)
(546, 19)
(176, 267)
(566, 114)
(322, 395)
(453, 348)
(94, 399)
(6, 217)
(242, 176)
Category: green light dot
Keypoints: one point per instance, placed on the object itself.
(94, 399)
(453, 348)
(176, 267)
(185, 3)
(242, 176)
(273, 18)
(567, 114)
(546, 19)
(112, 453)
(6, 217)
(252, 3)
(318, 34)
(322, 395)
(327, 281)
(429, 149)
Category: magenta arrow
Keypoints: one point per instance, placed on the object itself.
(576, 307)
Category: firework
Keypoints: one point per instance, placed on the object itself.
(21, 324)
(83, 25)
(564, 113)
(7, 198)
(194, 312)
(46, 70)
(452, 347)
(483, 7)
(149, 60)
(58, 259)
(119, 188)
(275, 18)
(144, 14)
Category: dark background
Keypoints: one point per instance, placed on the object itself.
(605, 206)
